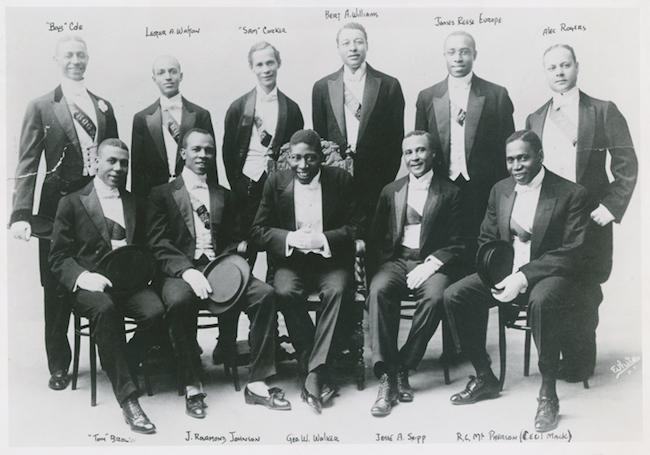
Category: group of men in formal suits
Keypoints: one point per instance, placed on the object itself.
(470, 176)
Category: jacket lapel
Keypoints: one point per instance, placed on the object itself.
(182, 199)
(249, 110)
(475, 104)
(282, 121)
(188, 119)
(62, 113)
(335, 90)
(93, 208)
(441, 108)
(101, 119)
(504, 212)
(129, 207)
(400, 199)
(154, 124)
(286, 208)
(537, 120)
(370, 94)
(330, 197)
(586, 132)
(543, 215)
(431, 208)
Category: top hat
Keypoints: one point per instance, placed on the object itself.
(494, 260)
(42, 226)
(228, 276)
(130, 268)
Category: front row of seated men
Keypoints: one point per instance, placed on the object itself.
(307, 222)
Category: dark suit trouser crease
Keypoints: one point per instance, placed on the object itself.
(106, 314)
(292, 285)
(258, 301)
(387, 290)
(549, 305)
(248, 195)
(57, 315)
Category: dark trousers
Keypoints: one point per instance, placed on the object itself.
(292, 286)
(258, 301)
(57, 315)
(248, 194)
(387, 289)
(106, 314)
(549, 305)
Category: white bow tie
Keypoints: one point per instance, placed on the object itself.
(170, 105)
(562, 101)
(200, 185)
(264, 98)
(110, 193)
(520, 189)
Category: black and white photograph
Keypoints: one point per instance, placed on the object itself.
(323, 227)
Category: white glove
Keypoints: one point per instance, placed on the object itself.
(198, 282)
(511, 286)
(602, 216)
(421, 273)
(93, 282)
(21, 230)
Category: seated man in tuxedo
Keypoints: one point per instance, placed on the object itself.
(545, 218)
(415, 243)
(185, 235)
(306, 222)
(90, 223)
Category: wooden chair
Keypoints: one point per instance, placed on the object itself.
(85, 330)
(513, 316)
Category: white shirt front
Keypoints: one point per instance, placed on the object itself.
(356, 84)
(308, 209)
(417, 193)
(267, 109)
(523, 212)
(197, 186)
(559, 151)
(75, 93)
(459, 89)
(174, 106)
(112, 207)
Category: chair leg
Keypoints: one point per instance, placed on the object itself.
(93, 371)
(443, 361)
(527, 353)
(77, 348)
(145, 374)
(357, 345)
(585, 383)
(502, 347)
(232, 353)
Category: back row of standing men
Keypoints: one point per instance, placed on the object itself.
(361, 110)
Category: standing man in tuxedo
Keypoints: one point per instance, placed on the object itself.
(544, 217)
(470, 120)
(361, 110)
(191, 221)
(66, 125)
(158, 130)
(256, 126)
(306, 222)
(90, 223)
(577, 133)
(415, 241)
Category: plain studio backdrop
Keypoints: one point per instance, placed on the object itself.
(406, 43)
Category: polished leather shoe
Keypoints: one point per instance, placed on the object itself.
(386, 397)
(312, 400)
(195, 406)
(478, 388)
(275, 400)
(135, 417)
(546, 418)
(404, 390)
(328, 391)
(59, 380)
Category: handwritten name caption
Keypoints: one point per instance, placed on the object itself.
(400, 437)
(461, 20)
(523, 436)
(180, 31)
(564, 28)
(263, 30)
(315, 437)
(107, 437)
(53, 27)
(220, 439)
(355, 13)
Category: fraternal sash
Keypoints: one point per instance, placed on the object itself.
(200, 210)
(568, 128)
(172, 125)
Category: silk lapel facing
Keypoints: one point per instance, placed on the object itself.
(586, 133)
(337, 97)
(154, 124)
(90, 202)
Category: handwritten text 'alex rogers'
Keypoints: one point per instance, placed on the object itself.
(180, 31)
(523, 436)
(220, 439)
(564, 28)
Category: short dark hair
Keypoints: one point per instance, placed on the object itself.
(528, 137)
(352, 26)
(261, 46)
(194, 130)
(462, 33)
(309, 137)
(565, 46)
(112, 142)
(425, 134)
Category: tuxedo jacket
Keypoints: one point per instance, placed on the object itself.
(487, 126)
(559, 226)
(48, 128)
(170, 227)
(276, 216)
(239, 127)
(601, 130)
(381, 129)
(80, 236)
(440, 231)
(149, 165)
